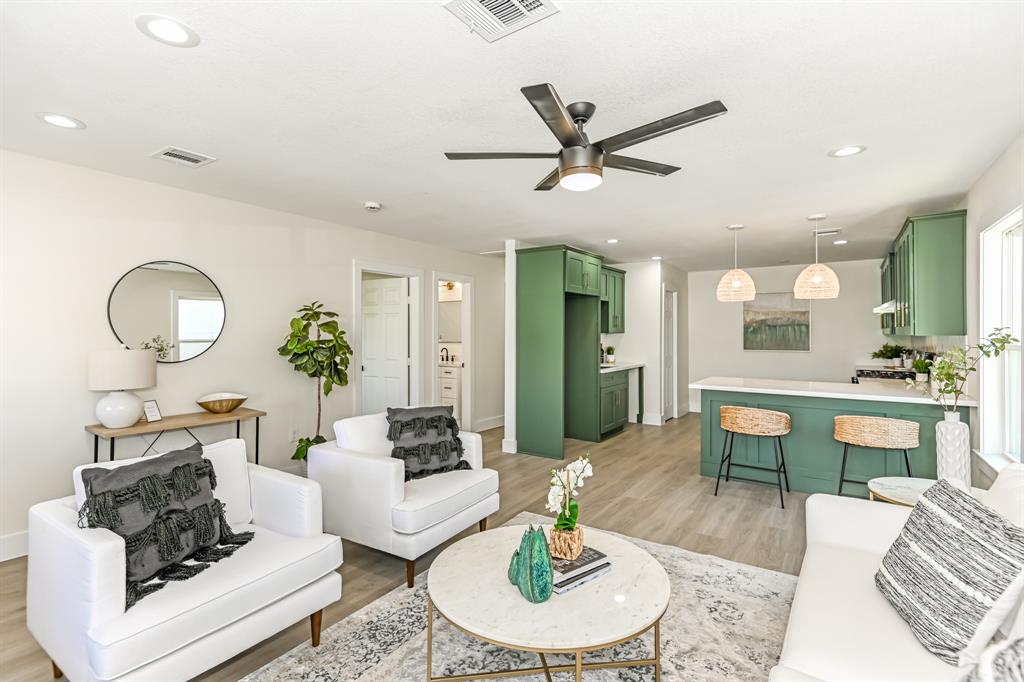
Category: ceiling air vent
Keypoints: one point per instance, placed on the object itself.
(494, 19)
(182, 157)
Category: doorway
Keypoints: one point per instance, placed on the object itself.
(386, 337)
(668, 353)
(453, 345)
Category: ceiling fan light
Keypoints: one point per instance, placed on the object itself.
(580, 178)
(817, 281)
(735, 285)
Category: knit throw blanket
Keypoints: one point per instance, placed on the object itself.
(426, 439)
(173, 527)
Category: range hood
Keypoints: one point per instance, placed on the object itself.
(885, 308)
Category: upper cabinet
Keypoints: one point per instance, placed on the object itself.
(928, 277)
(613, 301)
(582, 273)
(886, 272)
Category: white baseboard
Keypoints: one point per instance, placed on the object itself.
(509, 445)
(653, 419)
(13, 545)
(488, 423)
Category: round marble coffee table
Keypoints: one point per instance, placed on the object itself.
(468, 585)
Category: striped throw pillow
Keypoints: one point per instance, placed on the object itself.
(1000, 662)
(954, 573)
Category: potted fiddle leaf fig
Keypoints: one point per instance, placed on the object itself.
(316, 346)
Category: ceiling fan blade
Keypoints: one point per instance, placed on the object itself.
(469, 156)
(662, 126)
(550, 108)
(549, 181)
(638, 165)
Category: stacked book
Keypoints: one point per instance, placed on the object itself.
(570, 574)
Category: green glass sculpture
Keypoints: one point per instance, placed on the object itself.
(530, 569)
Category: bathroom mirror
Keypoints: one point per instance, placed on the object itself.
(168, 306)
(449, 314)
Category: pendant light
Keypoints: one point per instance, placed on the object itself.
(818, 280)
(735, 285)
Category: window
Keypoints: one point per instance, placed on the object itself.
(198, 319)
(1002, 258)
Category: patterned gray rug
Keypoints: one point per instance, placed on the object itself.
(726, 621)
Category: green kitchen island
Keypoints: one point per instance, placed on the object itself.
(813, 456)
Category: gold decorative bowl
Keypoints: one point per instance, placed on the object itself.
(219, 403)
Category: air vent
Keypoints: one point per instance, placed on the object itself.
(494, 19)
(183, 157)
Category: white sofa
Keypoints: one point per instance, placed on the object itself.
(76, 581)
(841, 628)
(368, 501)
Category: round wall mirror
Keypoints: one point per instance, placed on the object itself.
(168, 306)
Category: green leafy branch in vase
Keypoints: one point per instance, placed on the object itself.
(564, 488)
(316, 346)
(951, 371)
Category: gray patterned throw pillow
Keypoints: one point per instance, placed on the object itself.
(426, 439)
(1001, 662)
(954, 573)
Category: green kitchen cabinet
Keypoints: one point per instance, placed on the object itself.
(614, 401)
(888, 320)
(613, 307)
(582, 273)
(929, 276)
(604, 286)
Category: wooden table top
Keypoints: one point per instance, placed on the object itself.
(176, 421)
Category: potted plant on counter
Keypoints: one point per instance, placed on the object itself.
(949, 376)
(609, 355)
(920, 366)
(890, 351)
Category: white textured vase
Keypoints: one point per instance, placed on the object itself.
(953, 449)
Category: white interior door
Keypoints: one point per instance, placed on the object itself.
(385, 343)
(668, 360)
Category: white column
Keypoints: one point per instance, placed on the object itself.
(508, 443)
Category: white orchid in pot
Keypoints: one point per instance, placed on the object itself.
(567, 537)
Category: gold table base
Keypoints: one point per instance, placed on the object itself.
(578, 666)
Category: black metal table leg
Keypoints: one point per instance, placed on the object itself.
(257, 440)
(112, 439)
(95, 448)
(238, 428)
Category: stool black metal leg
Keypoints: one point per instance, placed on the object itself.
(782, 456)
(906, 460)
(728, 467)
(725, 444)
(842, 469)
(778, 473)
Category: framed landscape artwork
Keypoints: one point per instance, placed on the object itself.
(777, 322)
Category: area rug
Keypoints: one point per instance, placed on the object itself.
(725, 621)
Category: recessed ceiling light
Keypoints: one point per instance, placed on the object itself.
(167, 30)
(60, 120)
(655, 257)
(611, 241)
(849, 150)
(840, 242)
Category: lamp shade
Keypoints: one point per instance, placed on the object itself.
(735, 285)
(816, 281)
(121, 369)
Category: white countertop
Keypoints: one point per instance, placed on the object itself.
(882, 390)
(621, 367)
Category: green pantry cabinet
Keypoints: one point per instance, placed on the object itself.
(565, 298)
(925, 276)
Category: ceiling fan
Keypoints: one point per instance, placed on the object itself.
(581, 162)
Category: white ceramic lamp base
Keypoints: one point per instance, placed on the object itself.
(119, 409)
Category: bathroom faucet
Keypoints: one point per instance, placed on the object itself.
(444, 355)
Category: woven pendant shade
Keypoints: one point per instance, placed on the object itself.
(735, 286)
(816, 281)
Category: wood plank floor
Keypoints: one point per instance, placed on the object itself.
(646, 484)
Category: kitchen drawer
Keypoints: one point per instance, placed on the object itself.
(449, 388)
(614, 378)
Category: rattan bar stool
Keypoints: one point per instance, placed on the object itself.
(875, 432)
(753, 421)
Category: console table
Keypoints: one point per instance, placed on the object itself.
(176, 422)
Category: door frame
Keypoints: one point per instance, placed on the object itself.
(436, 277)
(415, 277)
(666, 292)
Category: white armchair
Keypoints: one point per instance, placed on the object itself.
(76, 581)
(368, 501)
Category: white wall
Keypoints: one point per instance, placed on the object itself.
(674, 279)
(68, 233)
(844, 331)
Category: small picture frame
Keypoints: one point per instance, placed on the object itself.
(152, 411)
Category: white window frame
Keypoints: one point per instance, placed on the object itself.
(177, 295)
(994, 274)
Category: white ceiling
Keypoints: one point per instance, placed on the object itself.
(314, 107)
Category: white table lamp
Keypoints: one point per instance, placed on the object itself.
(121, 371)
